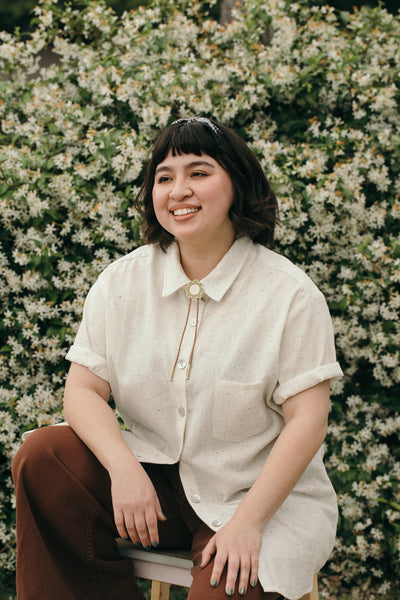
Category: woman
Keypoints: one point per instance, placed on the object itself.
(218, 353)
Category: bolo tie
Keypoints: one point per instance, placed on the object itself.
(194, 290)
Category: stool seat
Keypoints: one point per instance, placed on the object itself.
(160, 565)
(164, 568)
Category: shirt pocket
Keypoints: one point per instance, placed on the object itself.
(240, 410)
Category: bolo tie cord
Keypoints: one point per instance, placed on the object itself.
(194, 291)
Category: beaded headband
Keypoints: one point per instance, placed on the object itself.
(202, 120)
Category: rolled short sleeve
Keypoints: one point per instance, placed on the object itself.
(89, 347)
(307, 352)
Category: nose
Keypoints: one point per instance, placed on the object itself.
(180, 189)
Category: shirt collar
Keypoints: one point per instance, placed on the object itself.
(217, 283)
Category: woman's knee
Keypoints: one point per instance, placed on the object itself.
(40, 451)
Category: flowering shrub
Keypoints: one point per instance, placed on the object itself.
(316, 95)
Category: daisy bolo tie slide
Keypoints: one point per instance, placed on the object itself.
(194, 290)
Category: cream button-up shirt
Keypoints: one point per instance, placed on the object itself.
(264, 333)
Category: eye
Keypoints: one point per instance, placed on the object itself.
(199, 174)
(163, 179)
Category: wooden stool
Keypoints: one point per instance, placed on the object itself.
(165, 568)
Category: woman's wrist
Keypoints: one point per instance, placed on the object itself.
(120, 459)
(249, 519)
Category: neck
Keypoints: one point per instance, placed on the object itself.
(198, 262)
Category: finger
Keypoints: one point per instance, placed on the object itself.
(152, 528)
(131, 528)
(160, 515)
(142, 531)
(120, 524)
(254, 571)
(244, 574)
(219, 564)
(232, 574)
(208, 552)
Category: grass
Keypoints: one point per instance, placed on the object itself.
(176, 592)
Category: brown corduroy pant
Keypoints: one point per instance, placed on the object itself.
(66, 547)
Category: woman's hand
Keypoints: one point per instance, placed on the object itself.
(236, 545)
(135, 503)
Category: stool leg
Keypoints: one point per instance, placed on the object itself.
(159, 590)
(314, 593)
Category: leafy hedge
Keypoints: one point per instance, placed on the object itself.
(316, 94)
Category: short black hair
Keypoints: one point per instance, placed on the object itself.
(254, 211)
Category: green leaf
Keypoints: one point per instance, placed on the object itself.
(345, 16)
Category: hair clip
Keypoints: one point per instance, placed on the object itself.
(202, 120)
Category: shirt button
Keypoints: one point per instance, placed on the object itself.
(193, 322)
(196, 498)
(181, 411)
(217, 522)
(181, 364)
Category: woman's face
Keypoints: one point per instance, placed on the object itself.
(192, 196)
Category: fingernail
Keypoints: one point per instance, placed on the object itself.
(201, 564)
(214, 583)
(154, 544)
(148, 548)
(253, 583)
(164, 517)
(229, 591)
(125, 539)
(242, 591)
(138, 545)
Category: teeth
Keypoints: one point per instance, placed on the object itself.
(185, 211)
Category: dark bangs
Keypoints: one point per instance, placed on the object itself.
(186, 138)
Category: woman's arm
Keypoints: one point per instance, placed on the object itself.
(135, 503)
(238, 542)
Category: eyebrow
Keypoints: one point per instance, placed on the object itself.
(195, 163)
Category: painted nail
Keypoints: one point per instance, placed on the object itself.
(214, 583)
(253, 583)
(229, 591)
(154, 544)
(242, 591)
(138, 545)
(164, 517)
(201, 564)
(148, 547)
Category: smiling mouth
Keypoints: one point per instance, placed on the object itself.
(185, 211)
